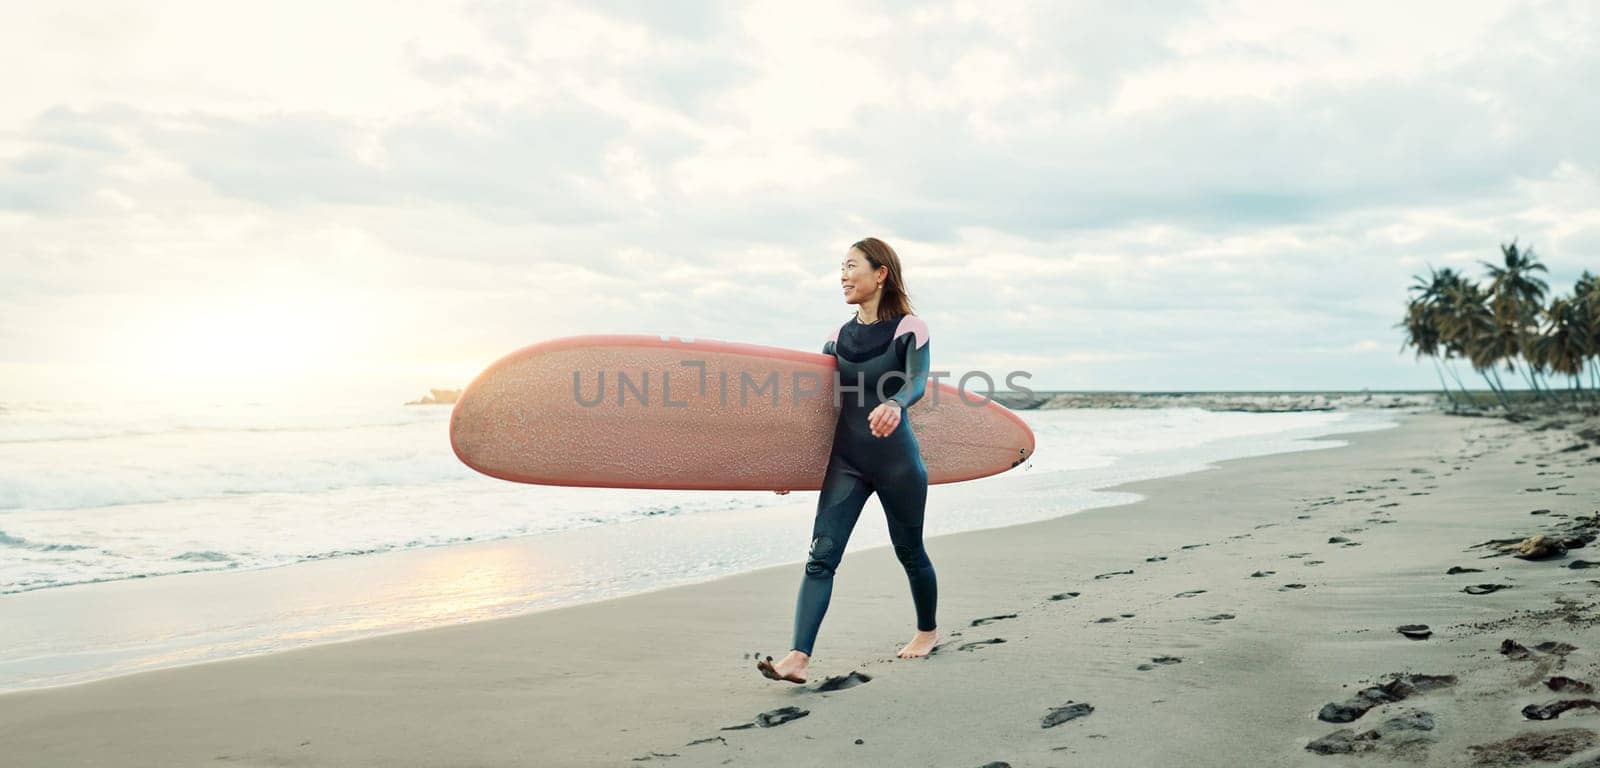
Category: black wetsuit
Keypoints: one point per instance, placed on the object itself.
(895, 354)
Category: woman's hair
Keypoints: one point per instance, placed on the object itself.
(895, 302)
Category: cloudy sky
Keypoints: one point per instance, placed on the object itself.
(225, 200)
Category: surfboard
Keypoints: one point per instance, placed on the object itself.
(640, 411)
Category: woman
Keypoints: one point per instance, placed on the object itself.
(882, 355)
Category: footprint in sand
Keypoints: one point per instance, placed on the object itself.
(1561, 683)
(975, 644)
(1415, 631)
(1217, 617)
(1155, 558)
(1484, 589)
(1159, 660)
(780, 716)
(1554, 709)
(1059, 715)
(1287, 587)
(1259, 574)
(992, 619)
(1064, 595)
(1515, 650)
(1190, 593)
(842, 682)
(1113, 573)
(770, 718)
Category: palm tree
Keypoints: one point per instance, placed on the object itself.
(1422, 333)
(1561, 346)
(1467, 325)
(1516, 301)
(1586, 294)
(1449, 316)
(1422, 324)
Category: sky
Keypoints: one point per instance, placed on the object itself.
(226, 201)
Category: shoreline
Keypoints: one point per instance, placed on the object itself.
(677, 667)
(480, 579)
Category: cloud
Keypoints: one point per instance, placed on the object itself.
(1200, 196)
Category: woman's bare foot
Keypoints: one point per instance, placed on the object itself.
(921, 643)
(791, 667)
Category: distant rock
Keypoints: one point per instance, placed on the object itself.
(438, 397)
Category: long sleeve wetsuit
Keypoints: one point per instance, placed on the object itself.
(885, 360)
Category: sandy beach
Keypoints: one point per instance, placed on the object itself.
(1235, 616)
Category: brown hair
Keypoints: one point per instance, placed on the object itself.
(895, 302)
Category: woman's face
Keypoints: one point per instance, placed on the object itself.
(858, 279)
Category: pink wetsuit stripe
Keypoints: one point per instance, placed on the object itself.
(913, 325)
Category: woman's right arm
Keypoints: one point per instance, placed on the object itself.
(827, 349)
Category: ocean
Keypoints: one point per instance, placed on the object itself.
(140, 535)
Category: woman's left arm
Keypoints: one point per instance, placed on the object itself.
(885, 419)
(917, 361)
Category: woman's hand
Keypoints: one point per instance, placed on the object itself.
(884, 418)
(780, 493)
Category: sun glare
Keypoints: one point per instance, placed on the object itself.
(241, 343)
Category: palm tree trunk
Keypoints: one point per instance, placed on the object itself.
(1463, 387)
(1442, 385)
(1511, 404)
(1527, 375)
(1492, 388)
(1541, 381)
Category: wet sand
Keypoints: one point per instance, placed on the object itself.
(1235, 616)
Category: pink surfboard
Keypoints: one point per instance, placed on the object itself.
(635, 411)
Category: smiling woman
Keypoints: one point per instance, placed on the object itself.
(874, 450)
